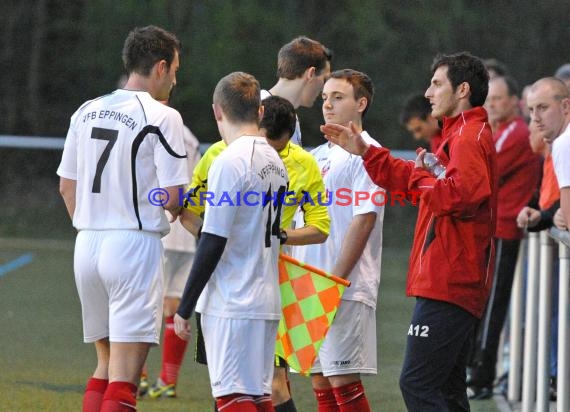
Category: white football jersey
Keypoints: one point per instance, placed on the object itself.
(296, 138)
(561, 158)
(179, 239)
(120, 148)
(245, 283)
(344, 175)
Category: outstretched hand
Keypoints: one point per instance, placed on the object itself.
(348, 138)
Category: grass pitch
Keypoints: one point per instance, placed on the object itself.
(44, 363)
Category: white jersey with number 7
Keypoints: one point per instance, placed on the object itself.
(121, 148)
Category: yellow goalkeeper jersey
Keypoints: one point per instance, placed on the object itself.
(306, 186)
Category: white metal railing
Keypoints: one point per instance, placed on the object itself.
(537, 251)
(56, 143)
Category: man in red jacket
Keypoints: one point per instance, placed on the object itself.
(451, 262)
(519, 170)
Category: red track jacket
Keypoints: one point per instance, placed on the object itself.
(519, 170)
(452, 255)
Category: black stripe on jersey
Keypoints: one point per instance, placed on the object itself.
(142, 107)
(134, 150)
(252, 152)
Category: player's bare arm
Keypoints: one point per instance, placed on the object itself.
(353, 243)
(564, 207)
(348, 138)
(172, 204)
(307, 235)
(67, 189)
(191, 221)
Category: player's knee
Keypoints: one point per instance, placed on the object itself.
(320, 382)
(342, 380)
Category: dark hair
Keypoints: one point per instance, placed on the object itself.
(511, 83)
(497, 66)
(279, 117)
(415, 106)
(145, 46)
(361, 84)
(298, 55)
(464, 67)
(238, 96)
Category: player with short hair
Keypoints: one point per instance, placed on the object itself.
(302, 67)
(277, 125)
(236, 288)
(121, 150)
(352, 252)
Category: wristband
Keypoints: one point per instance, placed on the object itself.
(283, 237)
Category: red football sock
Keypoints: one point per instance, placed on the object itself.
(120, 397)
(326, 402)
(263, 403)
(172, 353)
(93, 396)
(351, 398)
(236, 402)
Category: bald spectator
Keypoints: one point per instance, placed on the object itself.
(549, 106)
(536, 220)
(519, 171)
(417, 119)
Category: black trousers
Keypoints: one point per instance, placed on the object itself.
(437, 349)
(484, 356)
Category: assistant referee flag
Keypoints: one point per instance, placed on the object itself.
(309, 301)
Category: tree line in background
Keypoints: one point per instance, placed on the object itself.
(57, 54)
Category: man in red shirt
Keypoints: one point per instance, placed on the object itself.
(519, 170)
(417, 119)
(451, 262)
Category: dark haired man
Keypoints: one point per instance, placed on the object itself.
(302, 67)
(417, 119)
(450, 269)
(119, 149)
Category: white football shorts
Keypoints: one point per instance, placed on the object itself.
(177, 267)
(241, 354)
(119, 278)
(350, 345)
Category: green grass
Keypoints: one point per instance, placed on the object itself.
(44, 364)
